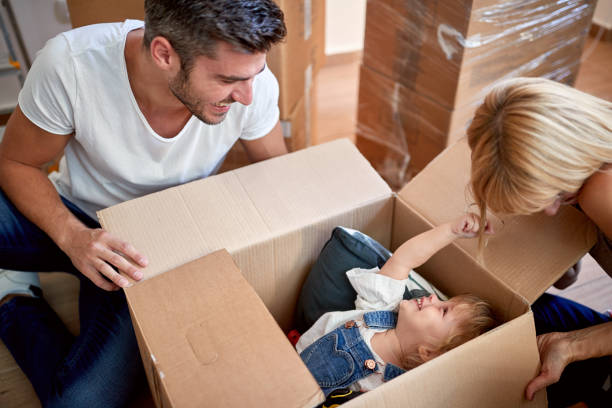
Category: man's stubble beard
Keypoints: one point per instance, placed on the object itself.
(179, 86)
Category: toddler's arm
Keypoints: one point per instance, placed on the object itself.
(417, 250)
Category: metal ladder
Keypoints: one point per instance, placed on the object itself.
(10, 64)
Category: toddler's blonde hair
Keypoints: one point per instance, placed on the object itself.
(476, 317)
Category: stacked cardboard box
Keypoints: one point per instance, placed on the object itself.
(85, 12)
(295, 64)
(297, 60)
(298, 131)
(210, 326)
(427, 65)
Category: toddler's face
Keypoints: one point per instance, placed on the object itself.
(426, 320)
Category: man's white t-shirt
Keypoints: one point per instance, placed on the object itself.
(79, 84)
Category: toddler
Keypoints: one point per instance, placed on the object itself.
(362, 348)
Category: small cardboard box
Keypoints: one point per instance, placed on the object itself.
(299, 132)
(399, 130)
(85, 12)
(297, 60)
(210, 335)
(453, 51)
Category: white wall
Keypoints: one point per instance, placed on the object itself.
(344, 26)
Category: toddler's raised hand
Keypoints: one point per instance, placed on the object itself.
(467, 226)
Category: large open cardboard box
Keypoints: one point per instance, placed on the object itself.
(212, 336)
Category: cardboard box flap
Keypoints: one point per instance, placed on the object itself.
(463, 376)
(454, 272)
(249, 362)
(85, 12)
(527, 252)
(245, 206)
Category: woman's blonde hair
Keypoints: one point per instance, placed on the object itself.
(533, 139)
(476, 318)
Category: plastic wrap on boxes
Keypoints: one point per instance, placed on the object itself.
(433, 61)
(400, 130)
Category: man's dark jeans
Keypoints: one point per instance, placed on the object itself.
(101, 367)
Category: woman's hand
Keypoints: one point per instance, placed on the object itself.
(467, 226)
(555, 355)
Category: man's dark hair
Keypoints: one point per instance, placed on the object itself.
(193, 27)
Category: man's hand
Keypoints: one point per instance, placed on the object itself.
(25, 148)
(95, 251)
(555, 355)
(467, 226)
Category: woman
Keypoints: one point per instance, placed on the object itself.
(536, 145)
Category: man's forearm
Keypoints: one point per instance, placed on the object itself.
(30, 190)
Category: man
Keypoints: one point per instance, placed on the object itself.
(135, 111)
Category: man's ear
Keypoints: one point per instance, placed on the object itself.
(163, 54)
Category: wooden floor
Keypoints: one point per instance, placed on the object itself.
(336, 107)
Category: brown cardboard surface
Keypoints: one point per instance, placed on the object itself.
(299, 128)
(251, 354)
(528, 253)
(317, 50)
(296, 129)
(85, 12)
(427, 65)
(245, 206)
(297, 60)
(278, 267)
(452, 52)
(489, 371)
(400, 130)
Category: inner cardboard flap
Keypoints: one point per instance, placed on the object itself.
(526, 252)
(455, 272)
(210, 339)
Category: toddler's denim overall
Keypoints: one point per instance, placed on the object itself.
(341, 357)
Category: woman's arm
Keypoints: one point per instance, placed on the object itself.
(557, 350)
(417, 250)
(595, 199)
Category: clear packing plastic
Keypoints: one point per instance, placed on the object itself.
(428, 64)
